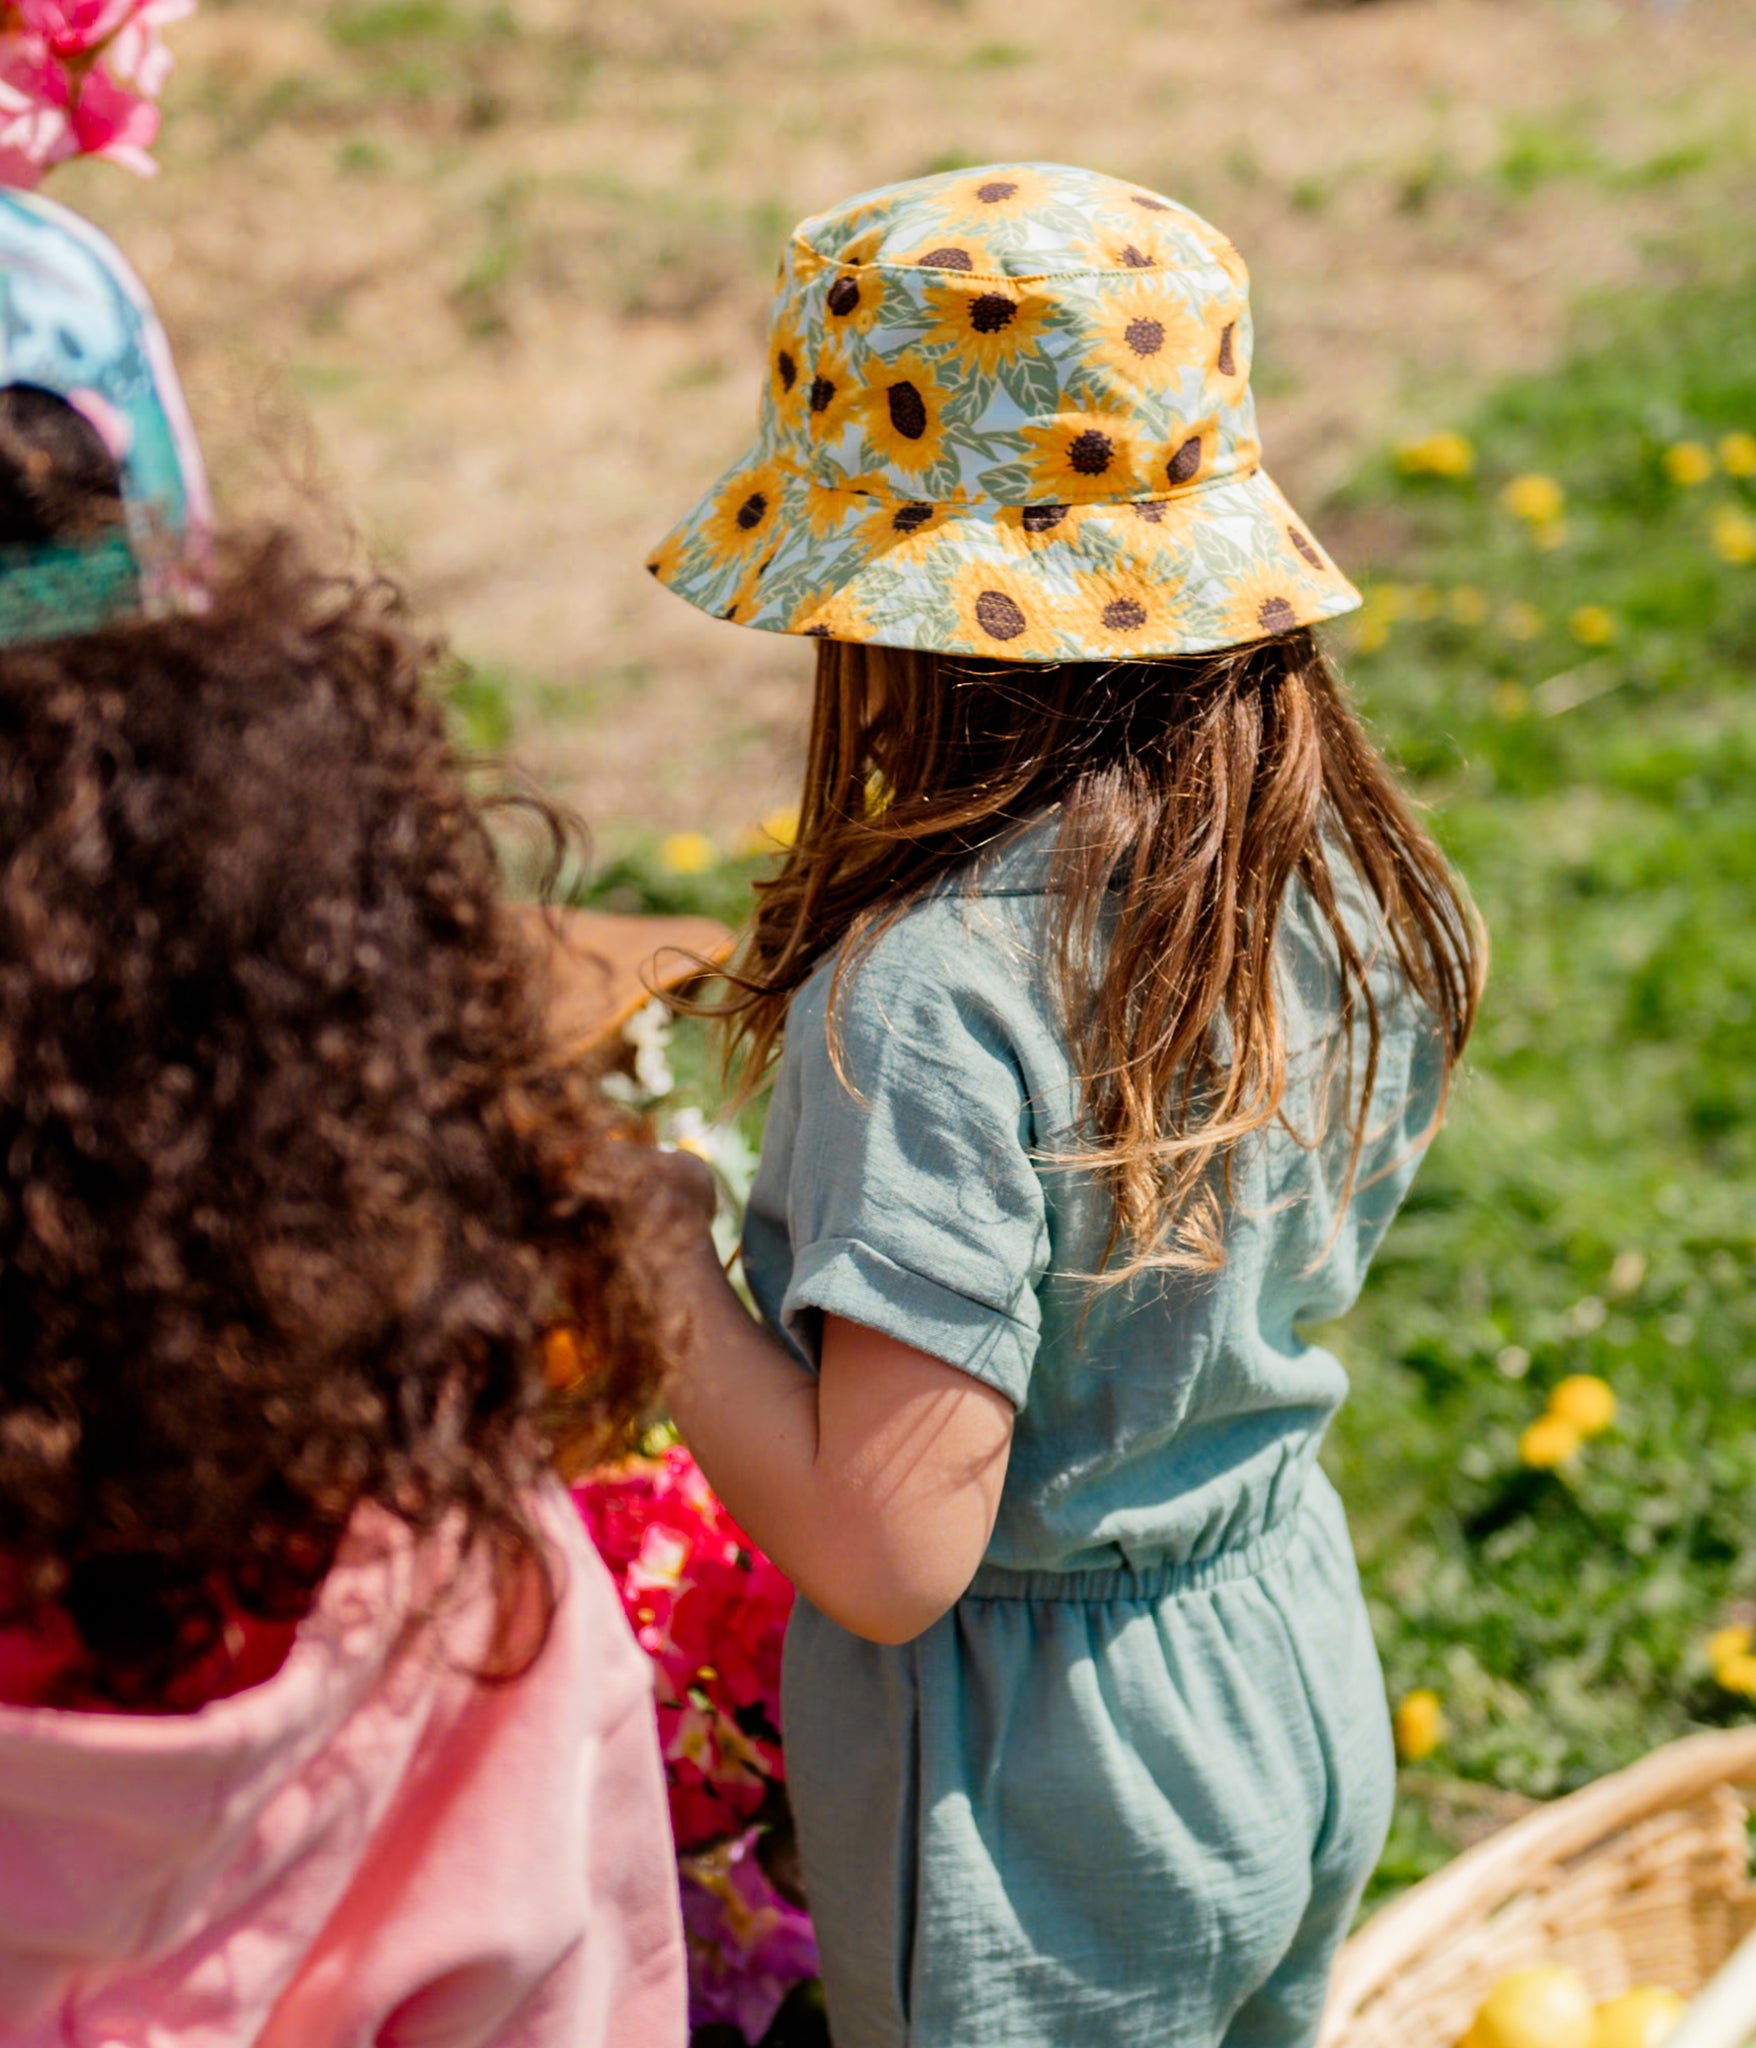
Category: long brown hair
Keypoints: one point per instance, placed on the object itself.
(296, 1191)
(1191, 791)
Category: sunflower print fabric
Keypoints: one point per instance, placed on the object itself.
(1007, 412)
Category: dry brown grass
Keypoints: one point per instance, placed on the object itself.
(504, 266)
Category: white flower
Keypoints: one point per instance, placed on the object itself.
(648, 1031)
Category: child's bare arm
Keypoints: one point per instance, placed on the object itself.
(874, 1486)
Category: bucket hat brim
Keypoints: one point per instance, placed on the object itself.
(1219, 564)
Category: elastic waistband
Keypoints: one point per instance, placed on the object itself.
(1148, 1582)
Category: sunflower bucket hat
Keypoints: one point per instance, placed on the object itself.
(1007, 412)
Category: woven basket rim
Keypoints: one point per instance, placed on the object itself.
(1510, 1862)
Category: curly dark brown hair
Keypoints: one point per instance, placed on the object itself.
(292, 1185)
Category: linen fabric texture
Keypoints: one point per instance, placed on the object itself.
(1128, 1790)
(1007, 413)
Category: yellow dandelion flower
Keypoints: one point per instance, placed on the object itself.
(1003, 611)
(1078, 456)
(1130, 606)
(1145, 335)
(1521, 621)
(1547, 1442)
(1734, 535)
(1549, 534)
(1419, 1725)
(1538, 499)
(1445, 454)
(903, 411)
(743, 515)
(1424, 602)
(687, 853)
(1737, 454)
(1001, 192)
(1726, 1643)
(1586, 1401)
(1592, 625)
(1510, 700)
(1262, 603)
(989, 322)
(779, 830)
(1371, 631)
(1466, 605)
(1737, 1674)
(1688, 463)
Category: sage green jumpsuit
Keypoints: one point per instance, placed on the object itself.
(1126, 1793)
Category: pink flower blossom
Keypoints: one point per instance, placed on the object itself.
(748, 1946)
(80, 78)
(711, 1612)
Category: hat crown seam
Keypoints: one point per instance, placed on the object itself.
(1017, 277)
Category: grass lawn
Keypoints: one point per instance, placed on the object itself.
(1571, 687)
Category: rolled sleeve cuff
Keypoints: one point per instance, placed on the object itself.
(841, 1277)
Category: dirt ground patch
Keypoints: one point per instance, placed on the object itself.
(496, 270)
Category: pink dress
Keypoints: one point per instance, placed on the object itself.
(369, 1849)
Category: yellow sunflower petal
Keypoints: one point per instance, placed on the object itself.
(1078, 457)
(1144, 336)
(903, 412)
(1128, 607)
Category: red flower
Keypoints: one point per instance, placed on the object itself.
(710, 1611)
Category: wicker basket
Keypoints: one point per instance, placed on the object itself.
(1642, 1878)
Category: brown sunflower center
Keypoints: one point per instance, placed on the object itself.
(1228, 363)
(1145, 337)
(992, 313)
(1304, 547)
(947, 259)
(907, 518)
(1124, 615)
(908, 411)
(822, 391)
(999, 616)
(1151, 205)
(1090, 453)
(1136, 259)
(789, 370)
(995, 190)
(753, 511)
(844, 296)
(1187, 460)
(1042, 518)
(1277, 616)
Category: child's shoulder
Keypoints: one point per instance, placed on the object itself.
(957, 967)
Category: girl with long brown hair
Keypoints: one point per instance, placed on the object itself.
(1111, 992)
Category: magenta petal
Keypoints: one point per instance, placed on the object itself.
(747, 1946)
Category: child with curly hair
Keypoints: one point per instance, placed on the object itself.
(319, 1722)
